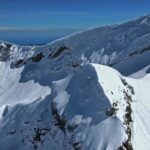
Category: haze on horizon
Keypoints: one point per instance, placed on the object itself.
(47, 19)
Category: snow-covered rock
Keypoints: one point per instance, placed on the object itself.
(65, 95)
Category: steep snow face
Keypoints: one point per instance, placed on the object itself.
(21, 103)
(143, 72)
(85, 110)
(12, 89)
(116, 46)
(141, 109)
(89, 120)
(124, 47)
(103, 104)
(68, 118)
(140, 103)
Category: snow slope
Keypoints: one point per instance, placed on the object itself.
(60, 96)
(80, 113)
(87, 105)
(124, 47)
(141, 109)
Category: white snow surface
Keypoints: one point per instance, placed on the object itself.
(76, 92)
(18, 92)
(141, 110)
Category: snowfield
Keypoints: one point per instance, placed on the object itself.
(87, 91)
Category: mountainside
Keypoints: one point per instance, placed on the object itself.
(69, 94)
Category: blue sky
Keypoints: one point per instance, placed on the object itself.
(65, 16)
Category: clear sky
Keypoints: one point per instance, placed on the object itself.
(65, 16)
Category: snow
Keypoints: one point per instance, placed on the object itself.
(65, 102)
(141, 110)
(113, 87)
(141, 73)
(100, 135)
(18, 92)
(89, 99)
(62, 95)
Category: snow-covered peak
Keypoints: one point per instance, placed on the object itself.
(145, 19)
(59, 96)
(114, 46)
(95, 102)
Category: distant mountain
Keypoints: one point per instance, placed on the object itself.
(69, 94)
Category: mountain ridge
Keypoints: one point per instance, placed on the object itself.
(73, 94)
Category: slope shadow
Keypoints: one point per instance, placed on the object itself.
(87, 97)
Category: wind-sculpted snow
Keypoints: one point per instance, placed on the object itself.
(40, 124)
(111, 45)
(13, 92)
(85, 112)
(117, 46)
(58, 96)
(141, 105)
